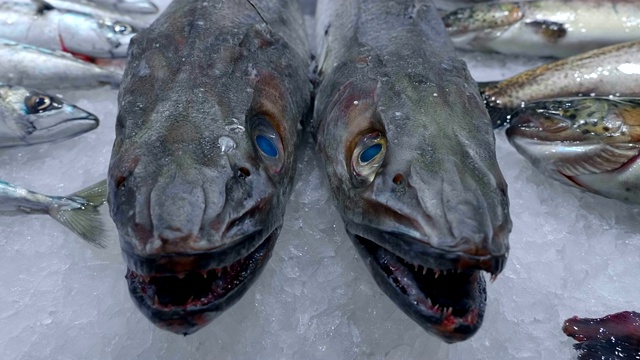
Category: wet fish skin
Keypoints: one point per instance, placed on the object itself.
(126, 6)
(29, 117)
(547, 28)
(588, 143)
(398, 123)
(78, 212)
(610, 71)
(615, 336)
(37, 68)
(204, 156)
(43, 25)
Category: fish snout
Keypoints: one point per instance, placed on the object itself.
(65, 123)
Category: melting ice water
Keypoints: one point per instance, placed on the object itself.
(572, 253)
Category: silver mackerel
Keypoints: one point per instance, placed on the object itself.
(410, 157)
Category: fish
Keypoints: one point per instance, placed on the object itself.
(128, 6)
(588, 143)
(609, 71)
(29, 117)
(204, 157)
(547, 28)
(42, 69)
(615, 336)
(43, 25)
(78, 212)
(409, 155)
(90, 8)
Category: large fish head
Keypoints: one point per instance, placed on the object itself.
(414, 173)
(201, 169)
(570, 138)
(29, 117)
(96, 37)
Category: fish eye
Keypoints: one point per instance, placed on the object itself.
(267, 143)
(37, 103)
(266, 146)
(122, 28)
(367, 158)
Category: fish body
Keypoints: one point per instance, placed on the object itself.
(33, 67)
(548, 28)
(42, 25)
(78, 212)
(610, 71)
(90, 8)
(30, 117)
(204, 156)
(615, 336)
(129, 6)
(589, 143)
(410, 157)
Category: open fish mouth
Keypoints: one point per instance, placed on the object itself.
(184, 302)
(448, 301)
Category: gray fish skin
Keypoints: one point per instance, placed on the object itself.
(610, 71)
(433, 196)
(588, 143)
(33, 67)
(29, 117)
(127, 6)
(44, 26)
(78, 212)
(211, 91)
(551, 28)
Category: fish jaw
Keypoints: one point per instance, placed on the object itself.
(185, 302)
(612, 336)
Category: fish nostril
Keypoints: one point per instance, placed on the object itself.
(398, 179)
(243, 173)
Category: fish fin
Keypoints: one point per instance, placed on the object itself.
(551, 31)
(43, 6)
(599, 159)
(87, 221)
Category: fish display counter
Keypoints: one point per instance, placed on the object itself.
(571, 253)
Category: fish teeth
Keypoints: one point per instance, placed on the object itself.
(493, 277)
(436, 308)
(156, 301)
(448, 311)
(416, 267)
(424, 272)
(437, 273)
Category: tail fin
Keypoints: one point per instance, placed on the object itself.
(86, 220)
(500, 116)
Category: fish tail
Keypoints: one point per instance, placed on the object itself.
(500, 116)
(86, 221)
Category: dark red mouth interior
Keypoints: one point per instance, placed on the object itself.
(449, 296)
(196, 289)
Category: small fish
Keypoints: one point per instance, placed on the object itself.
(30, 117)
(410, 157)
(129, 6)
(78, 212)
(610, 71)
(548, 28)
(204, 157)
(43, 25)
(613, 337)
(589, 143)
(33, 67)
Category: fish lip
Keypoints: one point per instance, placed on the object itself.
(420, 252)
(416, 301)
(186, 319)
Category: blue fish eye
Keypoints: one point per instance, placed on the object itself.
(266, 146)
(370, 153)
